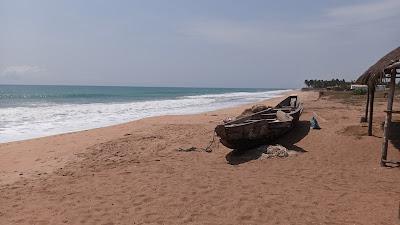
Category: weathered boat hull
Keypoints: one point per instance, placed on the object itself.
(259, 128)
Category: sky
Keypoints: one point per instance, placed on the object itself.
(202, 43)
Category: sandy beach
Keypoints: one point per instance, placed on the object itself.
(133, 174)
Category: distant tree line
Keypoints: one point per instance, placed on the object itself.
(334, 83)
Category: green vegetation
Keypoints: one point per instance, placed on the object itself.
(360, 91)
(334, 84)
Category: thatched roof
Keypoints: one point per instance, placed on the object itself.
(376, 71)
(395, 65)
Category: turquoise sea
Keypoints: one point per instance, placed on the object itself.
(30, 111)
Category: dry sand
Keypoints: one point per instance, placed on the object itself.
(132, 174)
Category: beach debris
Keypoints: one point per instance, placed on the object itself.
(314, 123)
(253, 109)
(259, 108)
(191, 149)
(363, 119)
(207, 149)
(283, 117)
(320, 94)
(195, 149)
(274, 151)
(227, 120)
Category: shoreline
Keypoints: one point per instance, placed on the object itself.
(99, 115)
(23, 158)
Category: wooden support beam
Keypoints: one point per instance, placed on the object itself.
(388, 119)
(393, 66)
(392, 162)
(365, 119)
(392, 112)
(371, 109)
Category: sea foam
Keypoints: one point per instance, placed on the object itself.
(20, 123)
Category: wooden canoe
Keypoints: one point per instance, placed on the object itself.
(261, 127)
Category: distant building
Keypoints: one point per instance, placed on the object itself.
(380, 87)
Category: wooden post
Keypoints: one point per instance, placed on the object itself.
(365, 119)
(371, 108)
(388, 119)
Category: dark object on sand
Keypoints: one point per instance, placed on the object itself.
(320, 94)
(262, 127)
(363, 119)
(314, 123)
(191, 149)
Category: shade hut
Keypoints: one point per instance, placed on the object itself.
(385, 69)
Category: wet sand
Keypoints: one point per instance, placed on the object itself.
(133, 174)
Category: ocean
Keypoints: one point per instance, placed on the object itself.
(31, 111)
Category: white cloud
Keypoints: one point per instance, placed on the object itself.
(22, 69)
(221, 31)
(19, 73)
(355, 19)
(218, 30)
(365, 12)
(255, 34)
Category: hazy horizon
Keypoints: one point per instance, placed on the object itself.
(224, 44)
(137, 86)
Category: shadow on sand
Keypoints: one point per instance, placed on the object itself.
(236, 157)
(394, 138)
(394, 134)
